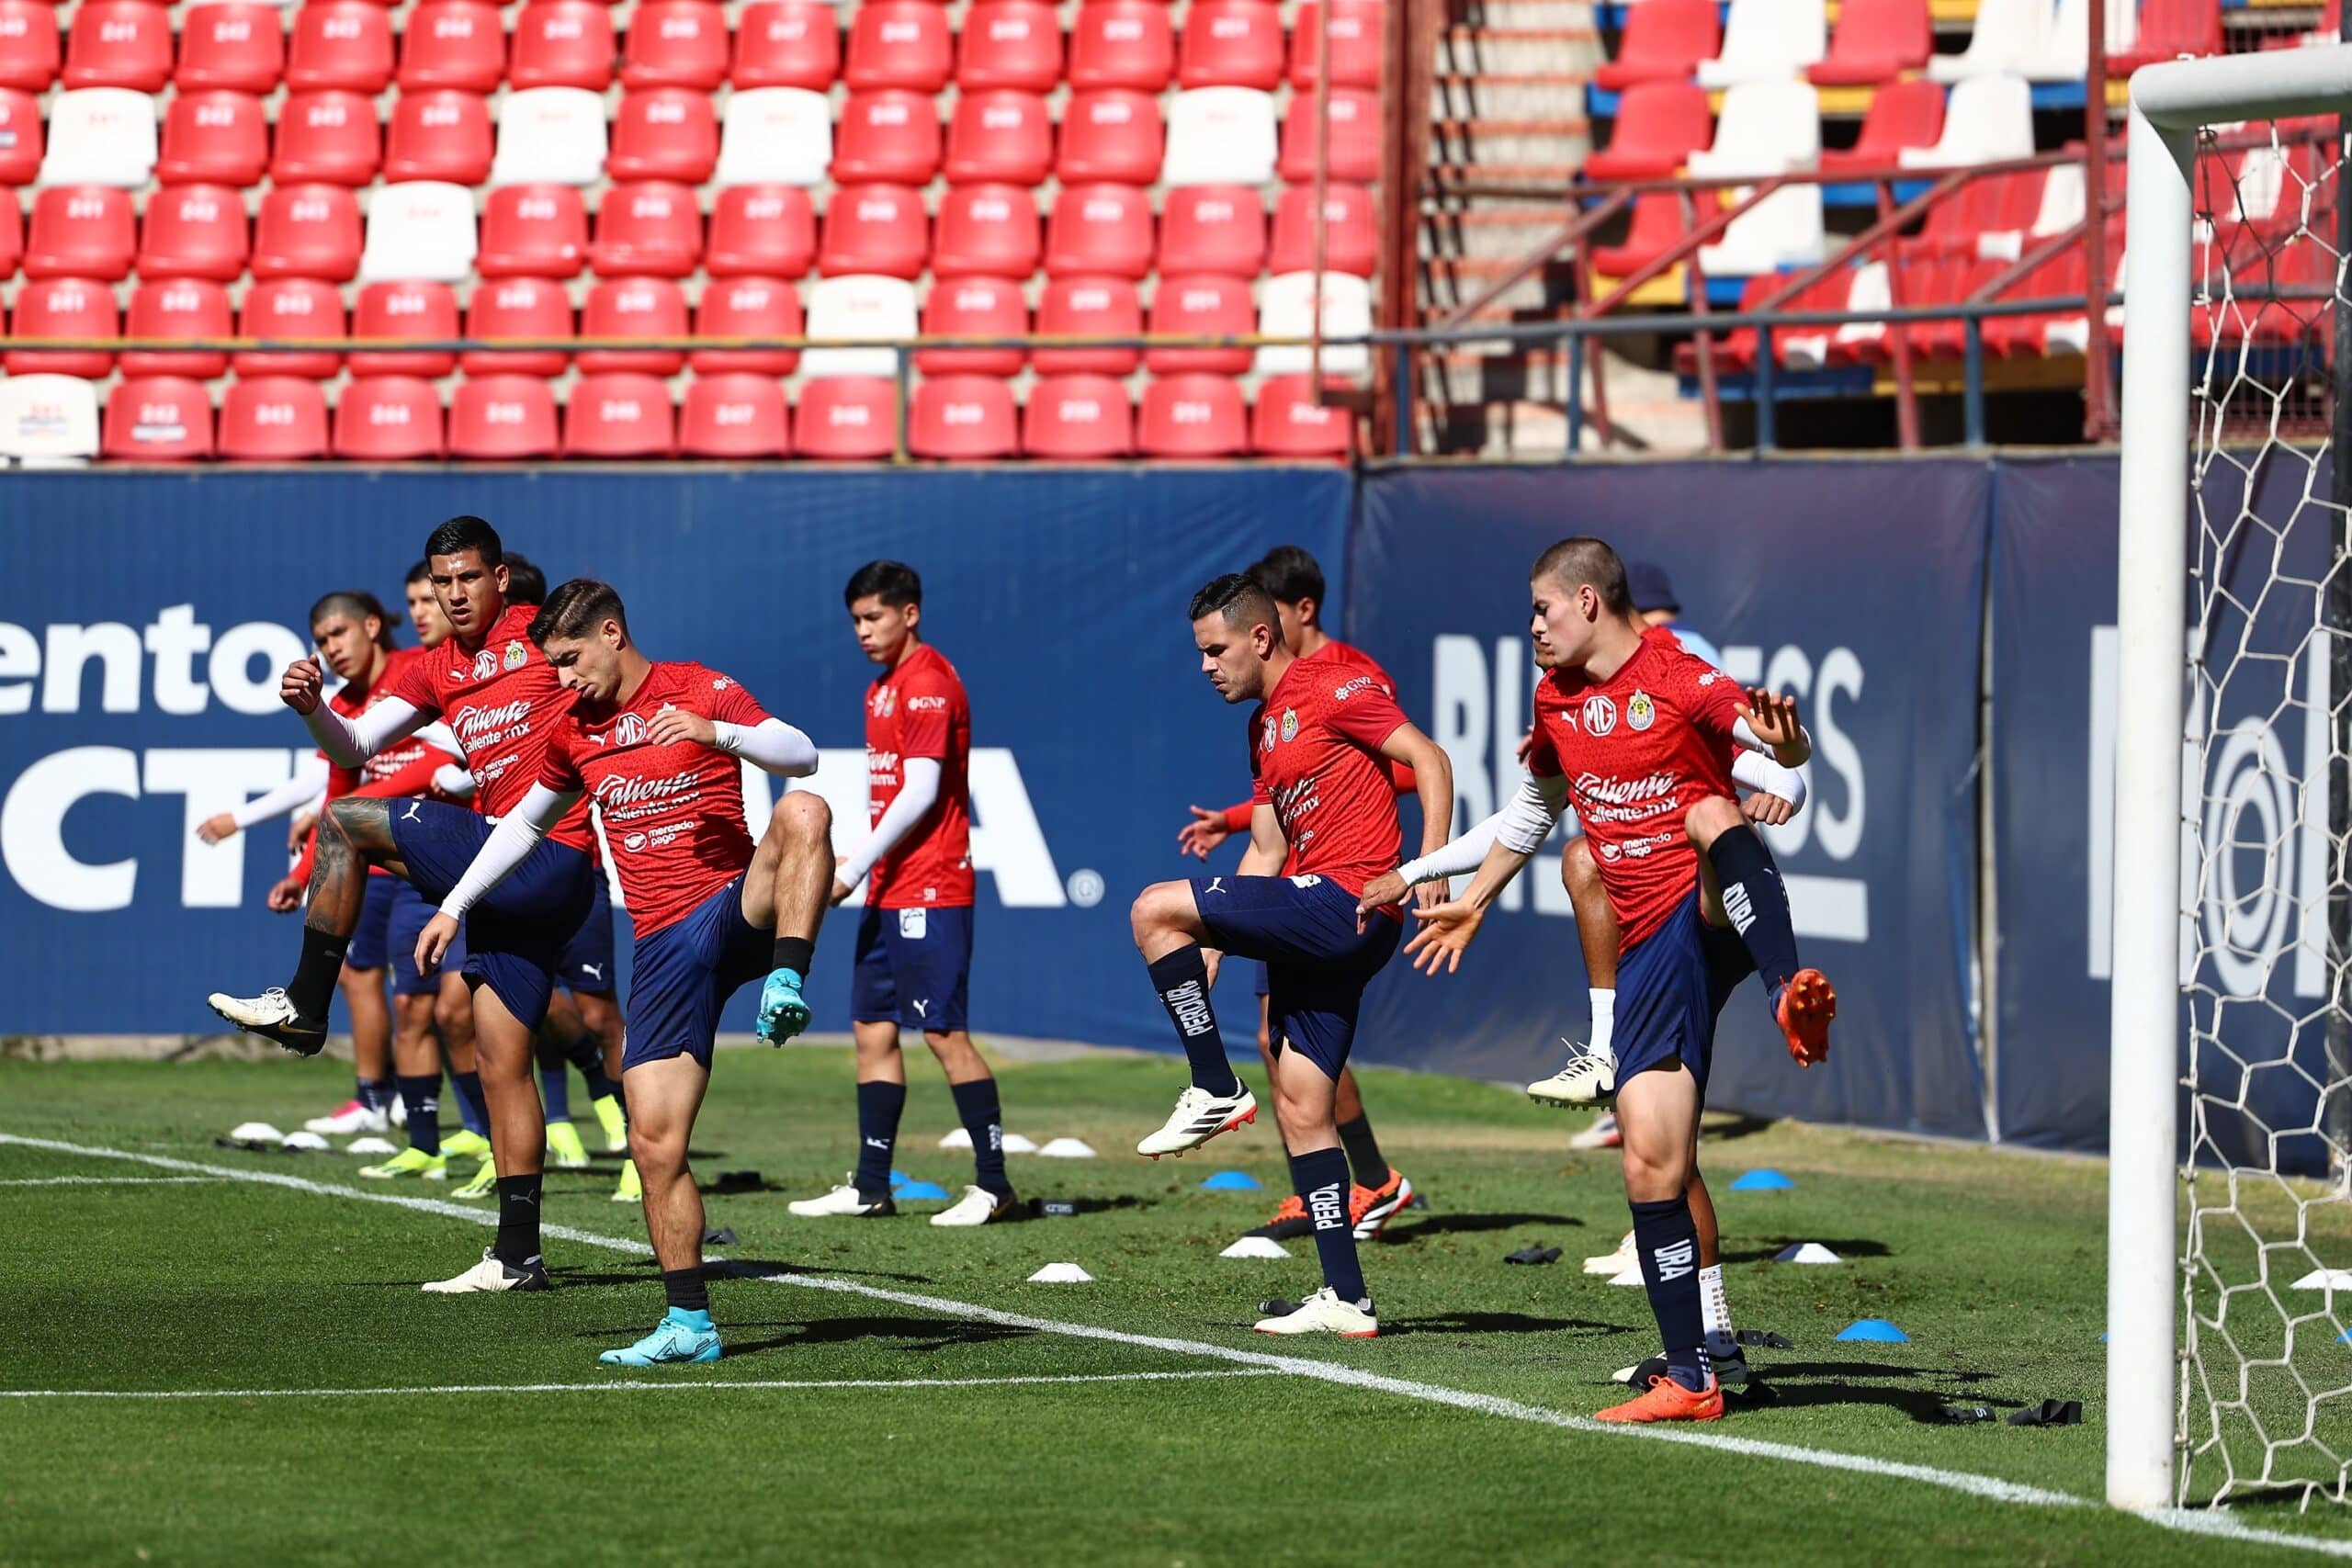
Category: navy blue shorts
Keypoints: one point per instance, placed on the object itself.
(1261, 985)
(914, 968)
(587, 961)
(369, 939)
(1671, 986)
(410, 913)
(515, 935)
(680, 977)
(1318, 963)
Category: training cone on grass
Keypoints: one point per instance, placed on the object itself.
(918, 1190)
(255, 1133)
(302, 1140)
(1255, 1246)
(1014, 1144)
(1876, 1330)
(370, 1146)
(1630, 1275)
(1807, 1252)
(1067, 1148)
(1762, 1181)
(1061, 1274)
(2326, 1279)
(958, 1139)
(1232, 1181)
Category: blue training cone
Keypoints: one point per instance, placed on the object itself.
(1762, 1181)
(921, 1190)
(899, 1177)
(1233, 1181)
(1875, 1329)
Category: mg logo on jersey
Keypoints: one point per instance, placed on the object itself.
(630, 729)
(1600, 715)
(485, 665)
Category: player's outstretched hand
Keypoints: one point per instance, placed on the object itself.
(217, 826)
(841, 888)
(284, 896)
(675, 725)
(1773, 717)
(1526, 745)
(1444, 936)
(1382, 891)
(1766, 810)
(299, 687)
(433, 941)
(1205, 832)
(299, 828)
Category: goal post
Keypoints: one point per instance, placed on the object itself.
(2160, 794)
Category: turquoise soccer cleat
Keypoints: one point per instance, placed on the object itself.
(782, 1012)
(673, 1341)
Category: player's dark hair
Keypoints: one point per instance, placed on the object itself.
(358, 604)
(577, 608)
(1290, 574)
(421, 572)
(1237, 597)
(1581, 560)
(525, 583)
(895, 582)
(465, 533)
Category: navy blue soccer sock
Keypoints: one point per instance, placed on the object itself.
(312, 988)
(555, 1091)
(1182, 979)
(1320, 1179)
(518, 1220)
(376, 1094)
(421, 1098)
(587, 1055)
(1667, 1239)
(1757, 903)
(878, 1105)
(470, 1113)
(978, 1108)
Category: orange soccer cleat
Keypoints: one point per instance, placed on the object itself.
(1807, 1004)
(1669, 1401)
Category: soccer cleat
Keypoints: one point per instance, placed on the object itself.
(844, 1200)
(352, 1116)
(1803, 1009)
(272, 1016)
(410, 1161)
(978, 1206)
(1371, 1208)
(1198, 1117)
(670, 1343)
(782, 1012)
(463, 1144)
(631, 1190)
(1589, 1078)
(1617, 1262)
(565, 1150)
(1601, 1134)
(1291, 1220)
(492, 1274)
(1324, 1313)
(1668, 1400)
(485, 1182)
(610, 1117)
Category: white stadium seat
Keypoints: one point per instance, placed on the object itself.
(1766, 127)
(1220, 136)
(2065, 54)
(1765, 40)
(420, 232)
(1784, 230)
(775, 136)
(49, 422)
(857, 306)
(550, 135)
(1286, 308)
(1988, 120)
(2008, 33)
(100, 136)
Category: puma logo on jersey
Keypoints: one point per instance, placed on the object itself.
(593, 971)
(922, 1006)
(1217, 885)
(409, 815)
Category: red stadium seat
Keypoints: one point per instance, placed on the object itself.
(963, 417)
(665, 133)
(421, 311)
(183, 308)
(875, 228)
(340, 44)
(307, 231)
(1201, 304)
(459, 44)
(562, 43)
(1662, 42)
(761, 231)
(1657, 226)
(1122, 43)
(1659, 124)
(63, 308)
(501, 417)
(787, 43)
(999, 135)
(651, 230)
(747, 308)
(890, 136)
(327, 139)
(1356, 42)
(734, 417)
(974, 307)
(1077, 418)
(634, 307)
(238, 46)
(619, 415)
(389, 419)
(2062, 274)
(1902, 114)
(194, 231)
(851, 418)
(1014, 44)
(1231, 43)
(290, 307)
(1111, 134)
(439, 134)
(1193, 415)
(2169, 28)
(1351, 146)
(533, 231)
(990, 229)
(898, 43)
(81, 232)
(1879, 40)
(273, 418)
(29, 47)
(20, 137)
(1214, 229)
(119, 43)
(1350, 238)
(1087, 307)
(157, 419)
(517, 308)
(1100, 230)
(675, 43)
(1287, 424)
(12, 233)
(212, 139)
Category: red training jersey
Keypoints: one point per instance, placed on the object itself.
(674, 814)
(1314, 757)
(919, 709)
(1401, 777)
(1639, 749)
(503, 701)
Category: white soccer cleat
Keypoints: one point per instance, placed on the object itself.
(273, 1016)
(490, 1274)
(353, 1117)
(1604, 1134)
(1617, 1262)
(1198, 1117)
(978, 1206)
(1589, 1078)
(1324, 1313)
(845, 1201)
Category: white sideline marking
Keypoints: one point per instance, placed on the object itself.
(625, 1384)
(2214, 1522)
(108, 1180)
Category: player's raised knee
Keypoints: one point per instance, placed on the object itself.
(1711, 818)
(803, 814)
(1163, 905)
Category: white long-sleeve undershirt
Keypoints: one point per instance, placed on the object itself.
(308, 782)
(918, 792)
(349, 743)
(771, 745)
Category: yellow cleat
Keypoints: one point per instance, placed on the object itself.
(630, 1190)
(616, 1125)
(463, 1144)
(565, 1151)
(485, 1182)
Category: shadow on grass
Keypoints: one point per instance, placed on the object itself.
(1737, 1126)
(1450, 1224)
(924, 1334)
(1502, 1323)
(1920, 1392)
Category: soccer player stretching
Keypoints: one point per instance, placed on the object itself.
(657, 746)
(1324, 824)
(1641, 733)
